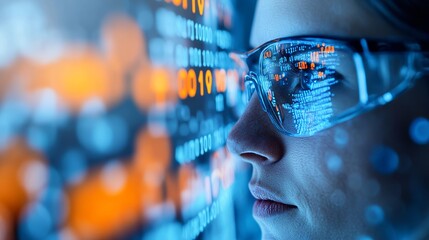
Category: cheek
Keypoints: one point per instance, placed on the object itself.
(372, 173)
(337, 178)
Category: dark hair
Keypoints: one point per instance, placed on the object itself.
(411, 16)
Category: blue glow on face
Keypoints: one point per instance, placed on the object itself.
(36, 222)
(384, 160)
(374, 214)
(338, 198)
(341, 137)
(419, 130)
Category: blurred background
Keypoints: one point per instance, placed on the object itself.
(114, 116)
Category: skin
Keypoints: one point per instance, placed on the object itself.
(332, 204)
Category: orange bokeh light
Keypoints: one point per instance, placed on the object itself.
(13, 160)
(6, 224)
(151, 86)
(152, 154)
(95, 212)
(123, 42)
(77, 77)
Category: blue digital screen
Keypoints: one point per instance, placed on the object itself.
(114, 117)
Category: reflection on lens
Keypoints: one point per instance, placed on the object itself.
(303, 87)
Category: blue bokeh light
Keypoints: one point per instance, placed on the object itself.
(13, 115)
(374, 214)
(55, 199)
(419, 130)
(47, 110)
(102, 134)
(334, 163)
(384, 160)
(168, 231)
(73, 166)
(39, 138)
(36, 222)
(341, 137)
(364, 237)
(6, 131)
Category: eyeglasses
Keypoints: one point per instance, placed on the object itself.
(308, 84)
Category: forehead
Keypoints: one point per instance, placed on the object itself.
(283, 18)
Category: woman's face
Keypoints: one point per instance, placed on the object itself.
(364, 177)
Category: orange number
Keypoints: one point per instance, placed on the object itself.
(209, 81)
(192, 83)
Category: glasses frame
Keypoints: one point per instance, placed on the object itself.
(362, 48)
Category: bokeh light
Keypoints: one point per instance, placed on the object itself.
(151, 86)
(384, 159)
(56, 204)
(419, 130)
(113, 177)
(78, 76)
(334, 163)
(364, 237)
(40, 138)
(167, 232)
(4, 228)
(90, 119)
(15, 191)
(34, 177)
(13, 114)
(47, 107)
(88, 201)
(341, 137)
(149, 161)
(73, 166)
(36, 222)
(102, 134)
(22, 28)
(122, 42)
(374, 214)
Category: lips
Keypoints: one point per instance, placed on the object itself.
(268, 203)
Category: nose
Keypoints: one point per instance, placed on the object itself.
(254, 138)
